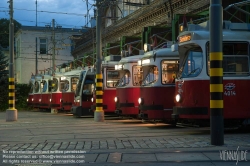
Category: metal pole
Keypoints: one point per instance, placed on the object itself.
(11, 113)
(54, 45)
(36, 58)
(216, 74)
(36, 43)
(36, 13)
(99, 113)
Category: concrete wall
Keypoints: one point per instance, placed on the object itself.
(25, 48)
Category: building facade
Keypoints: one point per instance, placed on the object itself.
(40, 45)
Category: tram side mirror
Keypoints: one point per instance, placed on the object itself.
(174, 47)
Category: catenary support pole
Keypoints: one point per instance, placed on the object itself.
(99, 113)
(216, 74)
(11, 113)
(54, 47)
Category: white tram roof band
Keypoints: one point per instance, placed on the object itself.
(163, 52)
(131, 59)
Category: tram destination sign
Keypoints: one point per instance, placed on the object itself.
(185, 38)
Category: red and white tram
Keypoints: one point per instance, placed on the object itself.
(56, 92)
(110, 79)
(30, 98)
(70, 80)
(157, 89)
(84, 93)
(45, 92)
(37, 91)
(193, 81)
(128, 87)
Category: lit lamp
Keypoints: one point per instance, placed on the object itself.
(122, 53)
(181, 28)
(147, 47)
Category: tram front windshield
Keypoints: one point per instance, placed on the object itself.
(78, 88)
(112, 78)
(192, 63)
(124, 79)
(151, 75)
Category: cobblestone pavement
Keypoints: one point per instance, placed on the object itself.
(116, 140)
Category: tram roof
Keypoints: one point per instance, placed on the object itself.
(32, 81)
(38, 77)
(231, 31)
(161, 52)
(109, 63)
(73, 72)
(131, 59)
(46, 76)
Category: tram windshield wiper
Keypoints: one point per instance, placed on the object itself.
(194, 71)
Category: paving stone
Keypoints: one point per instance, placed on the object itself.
(181, 157)
(102, 158)
(138, 157)
(114, 157)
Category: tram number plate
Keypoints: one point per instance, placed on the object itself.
(230, 93)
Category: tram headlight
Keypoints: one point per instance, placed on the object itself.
(40, 100)
(32, 99)
(140, 100)
(27, 100)
(92, 99)
(116, 99)
(178, 98)
(78, 101)
(49, 100)
(61, 100)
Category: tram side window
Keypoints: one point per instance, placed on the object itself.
(74, 81)
(124, 78)
(36, 87)
(65, 85)
(31, 88)
(137, 75)
(44, 85)
(236, 65)
(235, 59)
(88, 89)
(151, 75)
(55, 84)
(169, 71)
(112, 78)
(50, 85)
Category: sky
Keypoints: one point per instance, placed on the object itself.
(67, 13)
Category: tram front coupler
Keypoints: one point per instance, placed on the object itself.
(118, 112)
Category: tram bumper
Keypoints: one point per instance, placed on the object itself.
(150, 107)
(119, 112)
(189, 111)
(80, 111)
(126, 109)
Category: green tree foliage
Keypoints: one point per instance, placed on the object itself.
(3, 63)
(21, 95)
(22, 92)
(4, 31)
(4, 92)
